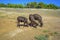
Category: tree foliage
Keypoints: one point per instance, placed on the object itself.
(2, 5)
(51, 6)
(30, 5)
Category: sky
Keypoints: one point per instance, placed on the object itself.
(56, 2)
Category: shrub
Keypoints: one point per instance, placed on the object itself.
(42, 37)
(53, 33)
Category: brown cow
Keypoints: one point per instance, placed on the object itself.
(22, 19)
(34, 17)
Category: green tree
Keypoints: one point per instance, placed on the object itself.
(2, 5)
(31, 5)
(52, 6)
(41, 5)
(15, 5)
(20, 6)
(11, 5)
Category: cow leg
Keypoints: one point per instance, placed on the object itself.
(18, 24)
(41, 23)
(33, 24)
(26, 24)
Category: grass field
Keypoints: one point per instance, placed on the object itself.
(9, 30)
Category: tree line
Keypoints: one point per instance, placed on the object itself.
(30, 5)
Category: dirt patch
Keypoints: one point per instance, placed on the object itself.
(9, 30)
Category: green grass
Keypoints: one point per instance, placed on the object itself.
(45, 31)
(42, 37)
(53, 33)
(1, 13)
(2, 16)
(46, 36)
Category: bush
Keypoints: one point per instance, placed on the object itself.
(42, 37)
(53, 33)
